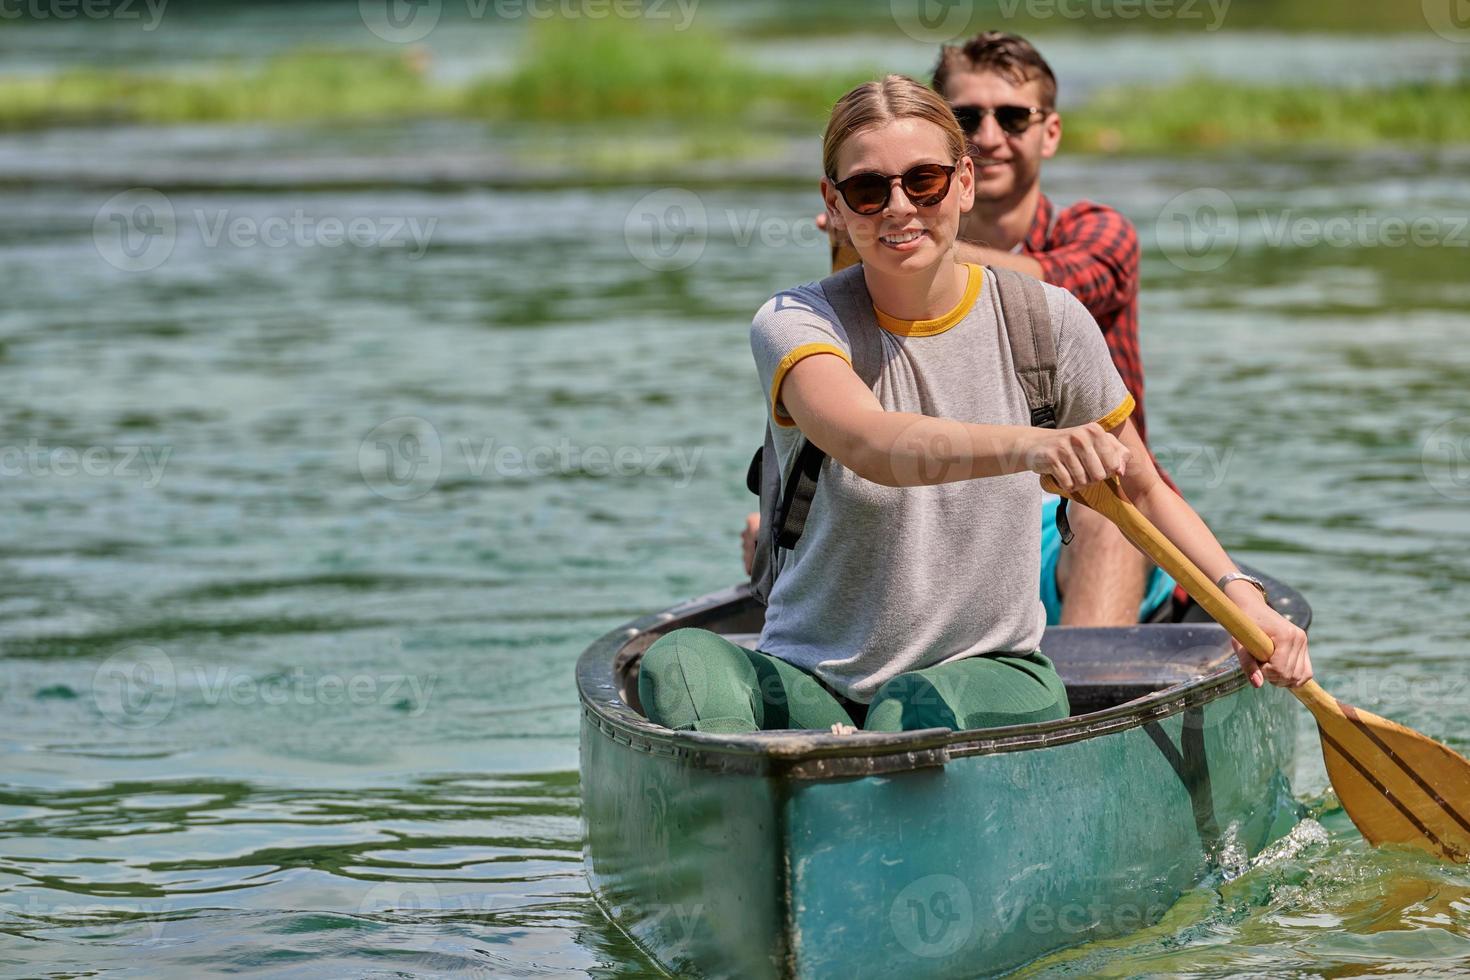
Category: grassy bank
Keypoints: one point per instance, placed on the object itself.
(1203, 114)
(627, 76)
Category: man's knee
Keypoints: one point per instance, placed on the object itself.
(1097, 541)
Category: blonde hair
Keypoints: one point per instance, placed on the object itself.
(874, 103)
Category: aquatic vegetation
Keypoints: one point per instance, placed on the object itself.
(586, 71)
(301, 85)
(1207, 114)
(581, 76)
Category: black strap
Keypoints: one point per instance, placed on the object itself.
(796, 501)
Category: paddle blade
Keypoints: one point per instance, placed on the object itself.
(1398, 786)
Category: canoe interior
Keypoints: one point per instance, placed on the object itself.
(1101, 667)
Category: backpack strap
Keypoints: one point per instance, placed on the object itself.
(1033, 344)
(1034, 352)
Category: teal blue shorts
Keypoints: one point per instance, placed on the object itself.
(1160, 585)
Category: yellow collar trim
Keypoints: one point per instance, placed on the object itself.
(928, 328)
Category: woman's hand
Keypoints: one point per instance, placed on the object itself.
(1290, 665)
(1077, 456)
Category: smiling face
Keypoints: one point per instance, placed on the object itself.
(903, 238)
(1006, 166)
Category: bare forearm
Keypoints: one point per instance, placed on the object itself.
(902, 449)
(1179, 522)
(984, 255)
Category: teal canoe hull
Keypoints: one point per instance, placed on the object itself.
(936, 853)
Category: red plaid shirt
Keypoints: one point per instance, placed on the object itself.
(1092, 251)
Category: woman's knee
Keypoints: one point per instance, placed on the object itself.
(908, 702)
(693, 679)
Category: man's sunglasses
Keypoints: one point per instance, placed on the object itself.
(1013, 119)
(868, 192)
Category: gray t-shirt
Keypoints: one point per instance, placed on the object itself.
(891, 579)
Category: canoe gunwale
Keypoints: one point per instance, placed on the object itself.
(806, 755)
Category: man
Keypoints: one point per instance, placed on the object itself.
(1004, 95)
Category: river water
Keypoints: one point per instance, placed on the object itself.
(303, 537)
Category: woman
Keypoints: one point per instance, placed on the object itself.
(910, 600)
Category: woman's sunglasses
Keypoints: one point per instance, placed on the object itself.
(868, 192)
(1014, 119)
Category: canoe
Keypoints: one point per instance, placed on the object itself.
(931, 853)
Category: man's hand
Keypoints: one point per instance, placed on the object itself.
(747, 539)
(1290, 665)
(1077, 456)
(837, 236)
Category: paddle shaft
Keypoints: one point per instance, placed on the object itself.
(1109, 500)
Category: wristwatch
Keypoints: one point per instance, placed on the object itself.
(1229, 577)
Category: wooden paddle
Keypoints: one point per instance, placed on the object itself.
(1398, 786)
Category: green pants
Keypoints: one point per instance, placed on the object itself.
(692, 679)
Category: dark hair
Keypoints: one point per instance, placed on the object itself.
(1008, 55)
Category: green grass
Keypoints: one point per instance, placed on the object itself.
(620, 70)
(1203, 114)
(303, 85)
(636, 93)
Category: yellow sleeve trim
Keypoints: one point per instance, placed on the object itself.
(929, 328)
(787, 363)
(1118, 415)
